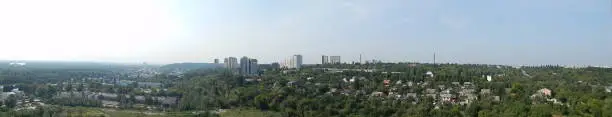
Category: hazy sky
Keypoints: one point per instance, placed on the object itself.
(569, 32)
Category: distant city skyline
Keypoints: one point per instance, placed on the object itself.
(294, 61)
(515, 32)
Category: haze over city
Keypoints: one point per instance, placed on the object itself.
(516, 32)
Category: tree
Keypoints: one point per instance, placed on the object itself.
(540, 110)
(7, 88)
(11, 101)
(80, 87)
(149, 100)
(69, 87)
(517, 90)
(261, 101)
(134, 85)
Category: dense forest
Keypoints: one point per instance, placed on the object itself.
(579, 91)
(382, 89)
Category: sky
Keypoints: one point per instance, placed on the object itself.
(511, 32)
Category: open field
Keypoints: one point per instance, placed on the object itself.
(249, 113)
(101, 112)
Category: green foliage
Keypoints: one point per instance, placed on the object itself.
(76, 101)
(580, 91)
(11, 101)
(306, 99)
(249, 113)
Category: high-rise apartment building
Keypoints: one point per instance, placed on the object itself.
(293, 62)
(324, 59)
(248, 66)
(230, 62)
(334, 59)
(216, 61)
(245, 65)
(288, 63)
(254, 68)
(298, 61)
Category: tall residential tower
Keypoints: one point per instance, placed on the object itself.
(293, 62)
(334, 59)
(230, 62)
(324, 59)
(248, 66)
(298, 61)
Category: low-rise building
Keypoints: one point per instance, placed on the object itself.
(377, 94)
(496, 98)
(168, 101)
(447, 97)
(545, 92)
(429, 74)
(430, 91)
(441, 87)
(466, 92)
(386, 82)
(485, 91)
(110, 104)
(413, 95)
(542, 93)
(468, 99)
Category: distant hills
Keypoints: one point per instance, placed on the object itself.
(99, 65)
(189, 66)
(60, 65)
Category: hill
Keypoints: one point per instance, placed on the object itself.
(60, 65)
(189, 66)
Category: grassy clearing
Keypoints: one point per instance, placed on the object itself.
(81, 112)
(100, 112)
(249, 113)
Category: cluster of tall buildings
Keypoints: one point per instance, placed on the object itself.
(330, 59)
(248, 66)
(293, 62)
(230, 62)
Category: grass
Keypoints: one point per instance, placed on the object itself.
(249, 113)
(100, 112)
(81, 112)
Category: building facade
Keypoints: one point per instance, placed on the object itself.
(216, 61)
(230, 62)
(293, 62)
(298, 61)
(254, 68)
(324, 59)
(275, 65)
(248, 66)
(334, 59)
(245, 65)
